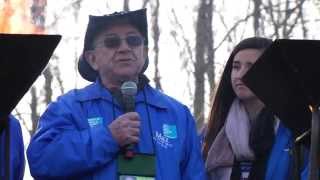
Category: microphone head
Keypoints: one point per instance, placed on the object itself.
(129, 88)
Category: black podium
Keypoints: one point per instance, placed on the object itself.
(287, 79)
(22, 59)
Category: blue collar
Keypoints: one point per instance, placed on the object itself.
(97, 91)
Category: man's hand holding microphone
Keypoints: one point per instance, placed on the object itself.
(126, 128)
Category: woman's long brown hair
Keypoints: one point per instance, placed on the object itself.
(225, 95)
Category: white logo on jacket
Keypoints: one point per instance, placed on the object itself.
(95, 121)
(162, 140)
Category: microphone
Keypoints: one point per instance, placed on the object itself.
(129, 90)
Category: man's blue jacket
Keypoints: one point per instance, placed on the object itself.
(17, 161)
(73, 141)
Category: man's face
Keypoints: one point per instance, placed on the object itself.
(119, 53)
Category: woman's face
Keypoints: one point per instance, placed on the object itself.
(242, 62)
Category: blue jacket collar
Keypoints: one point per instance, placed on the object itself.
(97, 91)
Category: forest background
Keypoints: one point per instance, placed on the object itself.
(189, 42)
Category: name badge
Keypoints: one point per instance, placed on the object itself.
(140, 167)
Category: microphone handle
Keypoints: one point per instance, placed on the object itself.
(129, 105)
(129, 152)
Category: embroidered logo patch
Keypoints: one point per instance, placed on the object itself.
(162, 140)
(95, 121)
(169, 131)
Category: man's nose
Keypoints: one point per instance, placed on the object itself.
(124, 45)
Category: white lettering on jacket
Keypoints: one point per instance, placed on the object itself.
(162, 140)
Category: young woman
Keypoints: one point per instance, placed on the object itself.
(244, 139)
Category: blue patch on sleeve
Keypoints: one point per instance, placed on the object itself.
(95, 121)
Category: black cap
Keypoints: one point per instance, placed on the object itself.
(22, 59)
(286, 79)
(96, 24)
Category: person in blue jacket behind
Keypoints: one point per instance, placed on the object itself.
(17, 161)
(82, 134)
(244, 139)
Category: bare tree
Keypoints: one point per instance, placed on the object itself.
(38, 19)
(34, 109)
(155, 5)
(210, 50)
(126, 5)
(38, 14)
(52, 72)
(285, 16)
(76, 5)
(144, 4)
(257, 17)
(186, 52)
(57, 74)
(301, 16)
(203, 39)
(47, 85)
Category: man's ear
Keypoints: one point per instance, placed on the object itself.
(145, 52)
(146, 60)
(91, 59)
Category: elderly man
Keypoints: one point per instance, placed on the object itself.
(100, 132)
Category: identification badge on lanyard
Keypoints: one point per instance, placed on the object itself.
(139, 167)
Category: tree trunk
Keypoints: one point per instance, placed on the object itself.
(211, 53)
(202, 40)
(47, 85)
(38, 14)
(284, 19)
(144, 4)
(34, 109)
(302, 20)
(156, 35)
(126, 5)
(257, 17)
(38, 19)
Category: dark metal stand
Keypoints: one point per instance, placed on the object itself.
(314, 147)
(7, 147)
(5, 126)
(297, 160)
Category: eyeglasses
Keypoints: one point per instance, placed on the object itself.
(115, 41)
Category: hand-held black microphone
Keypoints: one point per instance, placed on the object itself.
(129, 90)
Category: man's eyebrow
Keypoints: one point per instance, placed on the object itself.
(115, 34)
(110, 34)
(132, 32)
